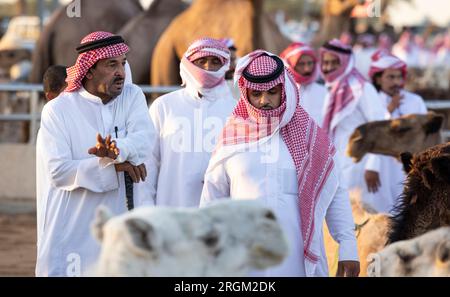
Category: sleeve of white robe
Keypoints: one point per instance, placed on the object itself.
(153, 162)
(415, 104)
(135, 147)
(340, 223)
(65, 172)
(374, 109)
(216, 185)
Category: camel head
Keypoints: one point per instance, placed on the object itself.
(425, 203)
(410, 133)
(224, 239)
(426, 255)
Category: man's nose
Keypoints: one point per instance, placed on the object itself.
(208, 66)
(264, 100)
(120, 71)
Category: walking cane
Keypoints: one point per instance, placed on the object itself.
(128, 185)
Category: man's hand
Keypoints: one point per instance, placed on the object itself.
(395, 102)
(372, 180)
(137, 173)
(105, 148)
(348, 269)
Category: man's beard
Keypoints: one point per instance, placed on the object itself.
(266, 107)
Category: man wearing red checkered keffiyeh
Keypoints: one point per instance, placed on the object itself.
(79, 170)
(351, 101)
(388, 74)
(272, 151)
(302, 61)
(188, 122)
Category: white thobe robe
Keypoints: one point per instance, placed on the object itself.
(369, 107)
(312, 99)
(411, 57)
(188, 129)
(234, 89)
(363, 59)
(268, 174)
(71, 184)
(391, 171)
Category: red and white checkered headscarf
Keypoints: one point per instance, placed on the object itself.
(86, 60)
(345, 82)
(198, 80)
(383, 60)
(307, 143)
(292, 54)
(205, 47)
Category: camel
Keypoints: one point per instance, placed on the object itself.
(242, 20)
(371, 234)
(63, 34)
(425, 203)
(142, 32)
(426, 255)
(227, 238)
(410, 133)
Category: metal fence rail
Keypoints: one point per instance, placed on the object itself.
(35, 114)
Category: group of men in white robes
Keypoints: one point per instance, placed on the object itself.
(282, 142)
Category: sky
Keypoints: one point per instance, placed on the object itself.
(404, 13)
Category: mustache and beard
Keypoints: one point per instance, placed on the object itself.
(394, 90)
(266, 107)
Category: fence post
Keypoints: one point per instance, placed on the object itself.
(33, 116)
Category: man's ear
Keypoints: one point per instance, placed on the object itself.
(89, 74)
(102, 215)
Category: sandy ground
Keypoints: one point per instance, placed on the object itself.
(17, 243)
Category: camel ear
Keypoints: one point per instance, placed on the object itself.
(102, 215)
(441, 167)
(433, 124)
(406, 158)
(141, 235)
(427, 178)
(443, 252)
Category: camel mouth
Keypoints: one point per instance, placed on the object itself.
(272, 255)
(357, 150)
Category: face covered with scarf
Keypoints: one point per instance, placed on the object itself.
(100, 66)
(204, 65)
(302, 62)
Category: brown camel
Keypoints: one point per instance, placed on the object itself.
(63, 34)
(425, 202)
(142, 33)
(371, 234)
(242, 20)
(410, 133)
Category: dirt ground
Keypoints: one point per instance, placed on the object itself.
(17, 244)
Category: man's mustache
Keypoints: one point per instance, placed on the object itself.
(267, 107)
(307, 74)
(118, 79)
